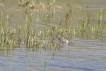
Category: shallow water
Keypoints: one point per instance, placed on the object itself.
(82, 55)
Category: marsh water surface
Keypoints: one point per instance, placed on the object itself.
(82, 55)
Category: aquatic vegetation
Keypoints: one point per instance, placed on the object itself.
(29, 36)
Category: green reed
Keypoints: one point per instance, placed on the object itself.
(45, 38)
(52, 2)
